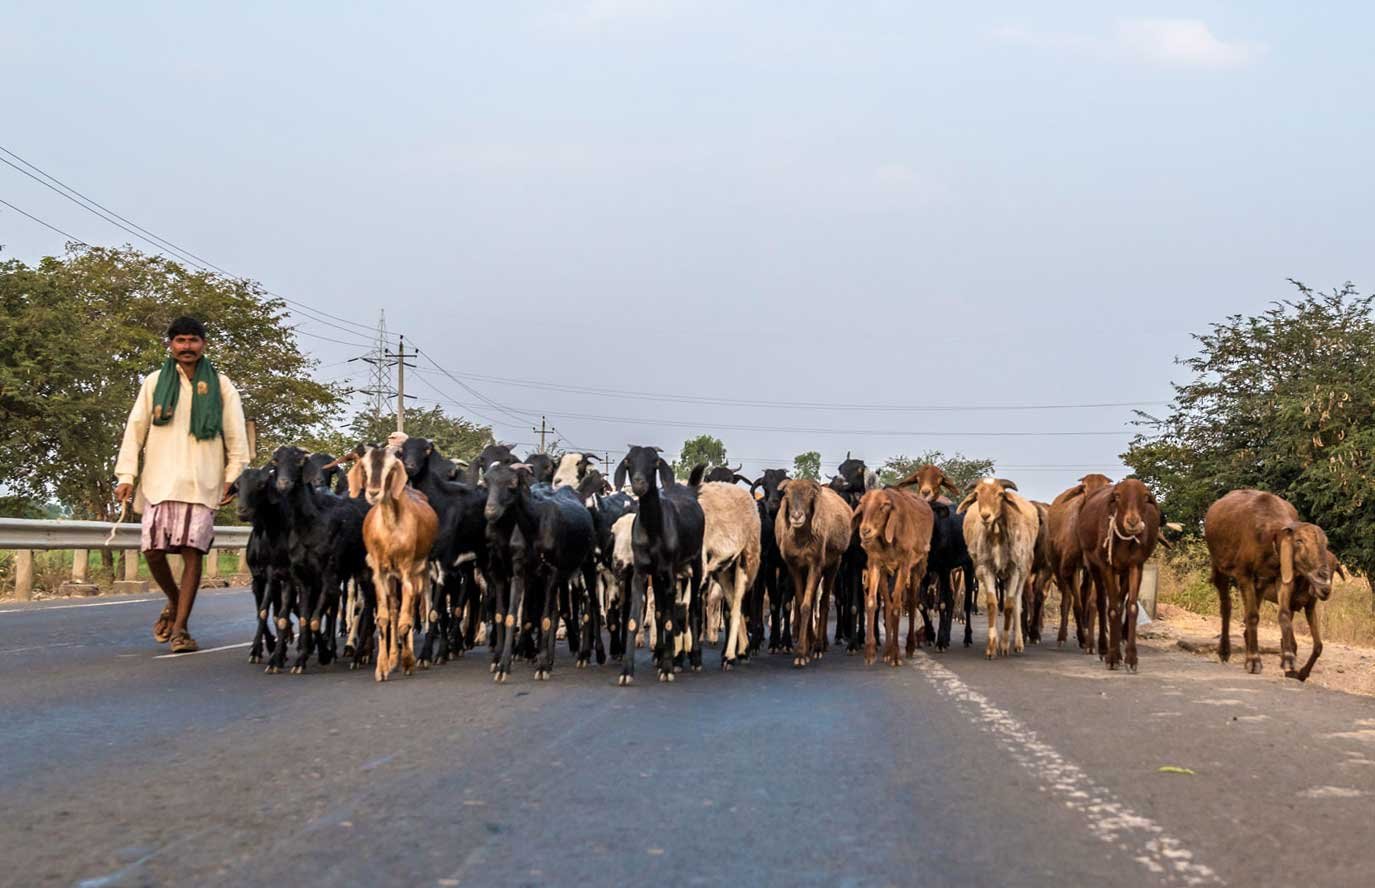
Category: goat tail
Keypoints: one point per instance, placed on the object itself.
(695, 477)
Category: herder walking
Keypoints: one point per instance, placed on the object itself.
(188, 423)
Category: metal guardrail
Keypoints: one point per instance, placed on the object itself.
(24, 536)
(24, 533)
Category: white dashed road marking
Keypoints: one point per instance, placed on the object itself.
(223, 647)
(1108, 819)
(62, 607)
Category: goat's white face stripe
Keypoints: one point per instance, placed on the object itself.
(1109, 820)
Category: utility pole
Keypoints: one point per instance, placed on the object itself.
(543, 429)
(400, 357)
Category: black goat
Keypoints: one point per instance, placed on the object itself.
(460, 547)
(541, 468)
(269, 559)
(948, 552)
(539, 538)
(667, 539)
(492, 453)
(325, 542)
(726, 475)
(773, 579)
(852, 483)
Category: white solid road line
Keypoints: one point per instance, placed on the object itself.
(223, 647)
(1109, 819)
(62, 607)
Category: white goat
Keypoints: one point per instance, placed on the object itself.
(572, 468)
(1000, 530)
(730, 555)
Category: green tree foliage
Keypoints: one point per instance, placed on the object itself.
(807, 465)
(702, 450)
(456, 438)
(77, 335)
(961, 469)
(1282, 401)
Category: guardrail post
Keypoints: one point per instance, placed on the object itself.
(212, 563)
(243, 561)
(131, 564)
(79, 564)
(23, 574)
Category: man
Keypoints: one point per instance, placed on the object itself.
(188, 422)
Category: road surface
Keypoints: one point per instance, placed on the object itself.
(124, 767)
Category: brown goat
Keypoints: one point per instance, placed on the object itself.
(929, 481)
(1067, 561)
(1042, 572)
(894, 528)
(398, 533)
(1256, 540)
(1118, 527)
(813, 532)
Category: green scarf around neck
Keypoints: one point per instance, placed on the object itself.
(207, 409)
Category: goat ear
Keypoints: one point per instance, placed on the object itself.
(949, 485)
(1285, 544)
(620, 475)
(1337, 569)
(856, 518)
(398, 479)
(356, 479)
(737, 478)
(966, 503)
(665, 474)
(890, 530)
(783, 485)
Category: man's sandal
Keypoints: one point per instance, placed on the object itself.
(183, 643)
(162, 627)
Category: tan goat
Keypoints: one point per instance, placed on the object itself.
(1000, 530)
(398, 532)
(730, 556)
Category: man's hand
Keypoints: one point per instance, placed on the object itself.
(123, 492)
(227, 494)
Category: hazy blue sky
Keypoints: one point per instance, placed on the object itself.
(864, 202)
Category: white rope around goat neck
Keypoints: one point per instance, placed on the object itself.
(123, 513)
(1114, 533)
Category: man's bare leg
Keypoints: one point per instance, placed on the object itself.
(191, 560)
(162, 575)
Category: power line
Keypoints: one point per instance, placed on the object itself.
(70, 237)
(161, 244)
(810, 405)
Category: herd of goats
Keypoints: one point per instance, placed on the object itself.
(395, 540)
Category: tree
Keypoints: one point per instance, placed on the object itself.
(1282, 401)
(961, 469)
(78, 334)
(702, 450)
(807, 465)
(456, 438)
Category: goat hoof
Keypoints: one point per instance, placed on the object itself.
(726, 666)
(493, 669)
(664, 676)
(422, 664)
(624, 680)
(353, 666)
(1253, 666)
(271, 670)
(1131, 667)
(255, 658)
(499, 678)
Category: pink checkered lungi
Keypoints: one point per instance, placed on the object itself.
(174, 525)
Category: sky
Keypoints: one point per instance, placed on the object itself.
(994, 210)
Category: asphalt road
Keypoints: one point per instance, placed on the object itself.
(123, 767)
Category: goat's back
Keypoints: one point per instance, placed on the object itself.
(732, 527)
(1240, 527)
